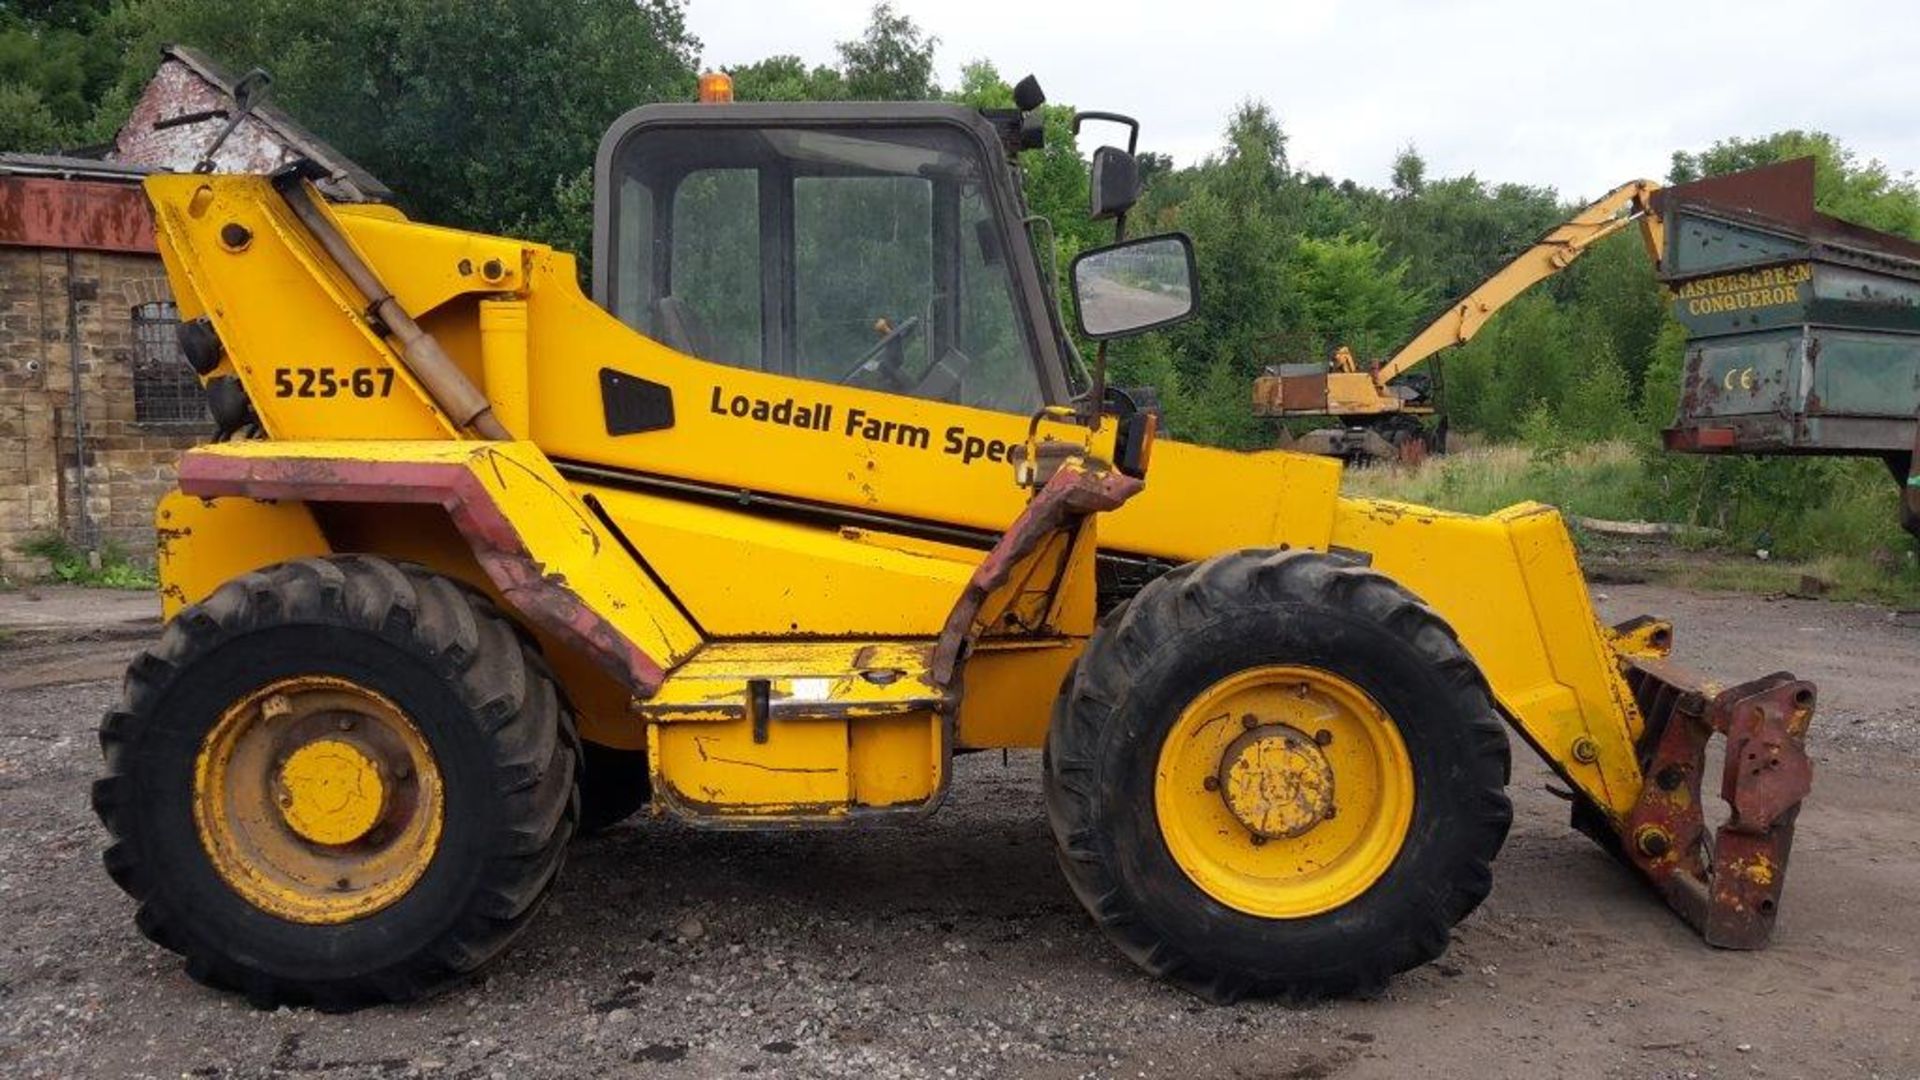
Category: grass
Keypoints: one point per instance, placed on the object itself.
(1595, 481)
(70, 565)
(1845, 547)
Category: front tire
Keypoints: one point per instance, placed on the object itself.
(337, 781)
(1277, 774)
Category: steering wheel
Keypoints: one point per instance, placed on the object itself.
(877, 357)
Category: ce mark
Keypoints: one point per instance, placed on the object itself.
(1743, 376)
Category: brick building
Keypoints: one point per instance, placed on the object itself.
(96, 403)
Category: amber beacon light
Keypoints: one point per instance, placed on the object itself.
(716, 86)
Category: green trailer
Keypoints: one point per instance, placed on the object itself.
(1803, 331)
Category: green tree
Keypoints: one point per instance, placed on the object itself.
(1236, 216)
(982, 87)
(1351, 297)
(891, 61)
(1453, 232)
(474, 113)
(1614, 282)
(786, 78)
(55, 69)
(1863, 192)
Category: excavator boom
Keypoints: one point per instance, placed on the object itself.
(1625, 205)
(1357, 393)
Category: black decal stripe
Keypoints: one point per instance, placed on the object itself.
(780, 506)
(1143, 566)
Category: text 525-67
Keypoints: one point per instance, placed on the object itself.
(305, 382)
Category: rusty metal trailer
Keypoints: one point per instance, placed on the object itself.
(1803, 331)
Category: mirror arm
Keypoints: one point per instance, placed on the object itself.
(1128, 122)
(1096, 397)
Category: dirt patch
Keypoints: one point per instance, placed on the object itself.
(956, 950)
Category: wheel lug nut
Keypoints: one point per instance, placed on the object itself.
(1211, 783)
(343, 884)
(1249, 721)
(346, 723)
(1323, 737)
(1258, 840)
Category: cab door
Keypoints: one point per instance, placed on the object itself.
(809, 309)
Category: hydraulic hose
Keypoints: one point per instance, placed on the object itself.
(445, 383)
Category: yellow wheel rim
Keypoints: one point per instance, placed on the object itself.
(1284, 791)
(317, 800)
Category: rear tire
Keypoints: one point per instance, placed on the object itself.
(1218, 623)
(494, 736)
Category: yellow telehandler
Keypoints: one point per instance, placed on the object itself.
(809, 499)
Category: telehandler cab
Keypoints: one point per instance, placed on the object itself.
(810, 499)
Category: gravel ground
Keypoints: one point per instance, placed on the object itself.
(956, 950)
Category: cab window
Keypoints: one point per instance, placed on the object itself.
(859, 256)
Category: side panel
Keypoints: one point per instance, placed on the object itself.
(206, 542)
(1007, 696)
(202, 543)
(552, 561)
(1510, 586)
(743, 574)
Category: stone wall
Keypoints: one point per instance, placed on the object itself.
(126, 465)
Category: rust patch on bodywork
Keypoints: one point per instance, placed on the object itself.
(545, 600)
(1072, 493)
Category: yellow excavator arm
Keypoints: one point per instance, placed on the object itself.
(1359, 395)
(1623, 206)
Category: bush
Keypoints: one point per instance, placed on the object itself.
(72, 566)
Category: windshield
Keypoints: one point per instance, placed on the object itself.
(857, 255)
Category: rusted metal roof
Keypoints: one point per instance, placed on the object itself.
(1780, 196)
(72, 209)
(71, 168)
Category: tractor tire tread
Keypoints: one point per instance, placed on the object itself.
(507, 689)
(1168, 611)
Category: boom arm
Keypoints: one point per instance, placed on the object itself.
(1554, 252)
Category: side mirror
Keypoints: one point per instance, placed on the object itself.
(1115, 183)
(1134, 286)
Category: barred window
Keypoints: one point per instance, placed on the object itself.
(165, 389)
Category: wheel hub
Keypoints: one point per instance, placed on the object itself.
(1277, 782)
(318, 800)
(330, 792)
(1245, 786)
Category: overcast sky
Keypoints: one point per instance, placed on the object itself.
(1576, 96)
